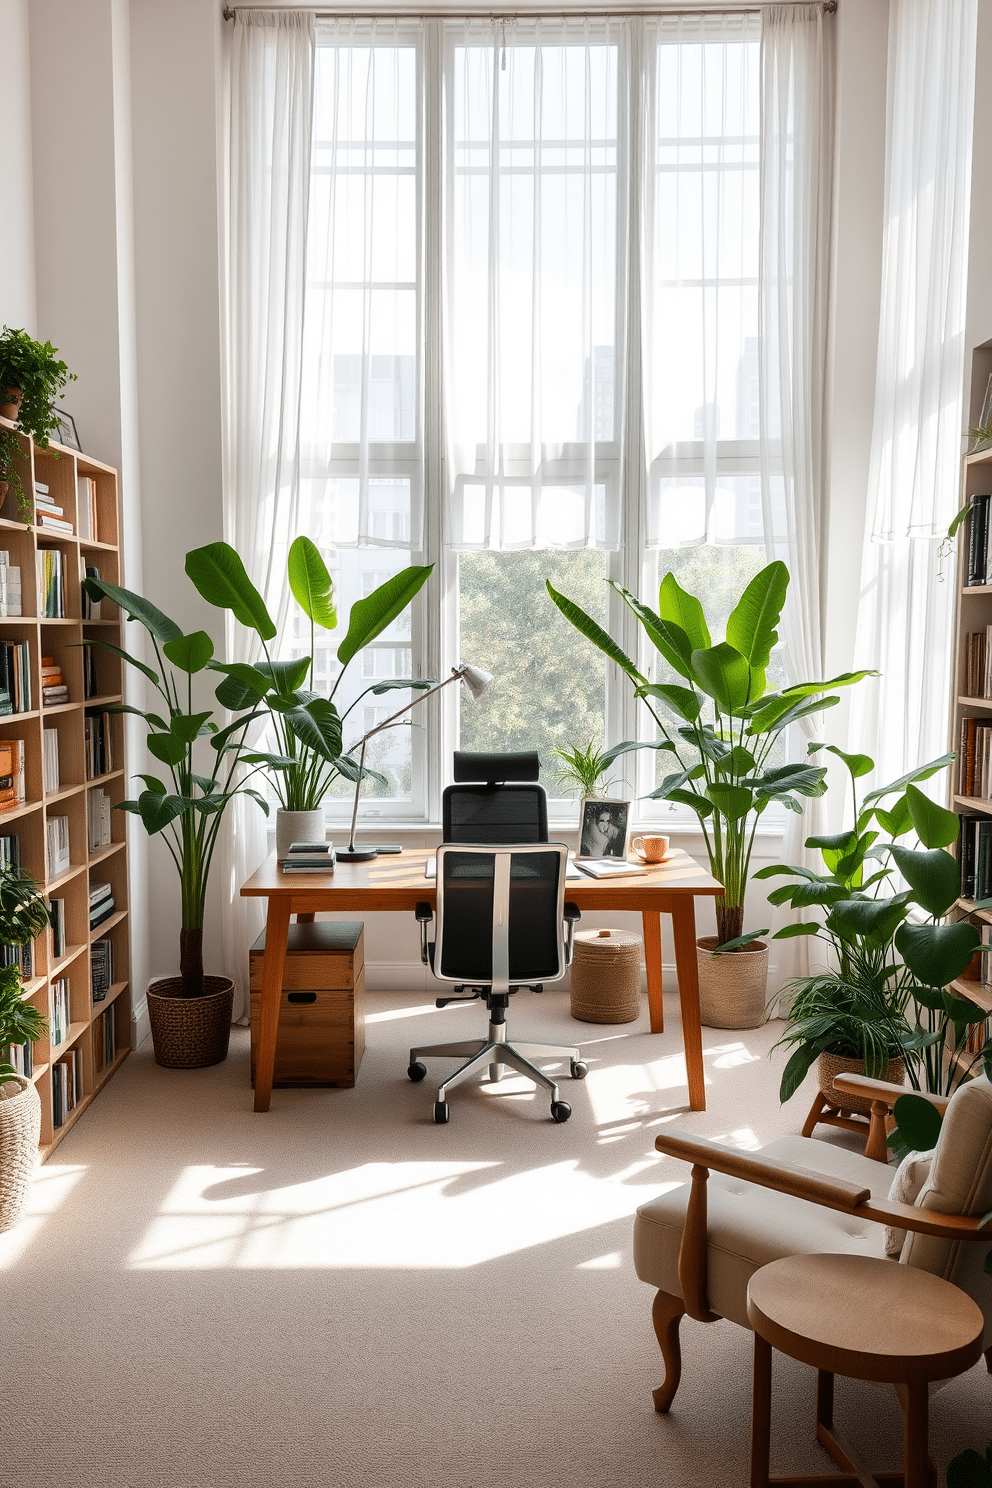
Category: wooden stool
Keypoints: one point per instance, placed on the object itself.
(868, 1319)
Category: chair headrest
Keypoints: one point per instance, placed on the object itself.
(495, 769)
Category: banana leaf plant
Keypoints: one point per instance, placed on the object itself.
(209, 762)
(894, 954)
(307, 726)
(719, 722)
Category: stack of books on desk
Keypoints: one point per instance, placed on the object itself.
(610, 867)
(308, 857)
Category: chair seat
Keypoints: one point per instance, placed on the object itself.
(749, 1226)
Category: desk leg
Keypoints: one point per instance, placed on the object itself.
(273, 966)
(651, 924)
(684, 928)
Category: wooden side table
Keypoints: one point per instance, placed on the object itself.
(868, 1319)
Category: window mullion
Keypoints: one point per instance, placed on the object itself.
(440, 721)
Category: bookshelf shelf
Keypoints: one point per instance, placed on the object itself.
(82, 492)
(974, 992)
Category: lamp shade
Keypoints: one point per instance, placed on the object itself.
(476, 680)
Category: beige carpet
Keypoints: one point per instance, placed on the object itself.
(340, 1293)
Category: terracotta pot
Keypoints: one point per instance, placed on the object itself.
(732, 987)
(190, 1032)
(829, 1065)
(11, 406)
(20, 1131)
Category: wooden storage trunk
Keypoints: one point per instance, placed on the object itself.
(322, 1011)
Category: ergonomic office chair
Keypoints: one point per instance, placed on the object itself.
(502, 922)
(496, 798)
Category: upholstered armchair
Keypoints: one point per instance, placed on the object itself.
(700, 1244)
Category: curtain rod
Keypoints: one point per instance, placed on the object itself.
(609, 13)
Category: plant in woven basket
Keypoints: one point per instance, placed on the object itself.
(23, 916)
(719, 722)
(887, 994)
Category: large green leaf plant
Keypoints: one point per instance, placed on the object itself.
(893, 954)
(719, 721)
(207, 762)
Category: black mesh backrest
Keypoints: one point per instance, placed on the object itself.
(501, 814)
(465, 916)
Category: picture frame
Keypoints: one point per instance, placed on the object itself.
(604, 827)
(66, 434)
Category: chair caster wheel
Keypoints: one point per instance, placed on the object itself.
(417, 1071)
(579, 1069)
(441, 1113)
(560, 1111)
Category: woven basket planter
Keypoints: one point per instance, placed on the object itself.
(190, 1032)
(606, 976)
(829, 1065)
(732, 987)
(20, 1132)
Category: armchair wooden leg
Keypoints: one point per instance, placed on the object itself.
(988, 1358)
(667, 1313)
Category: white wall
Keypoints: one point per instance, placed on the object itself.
(119, 267)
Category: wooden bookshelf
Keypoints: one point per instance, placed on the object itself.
(85, 1043)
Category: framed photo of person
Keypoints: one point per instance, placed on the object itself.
(604, 828)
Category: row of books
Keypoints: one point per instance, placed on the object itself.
(975, 757)
(51, 583)
(86, 508)
(90, 686)
(21, 1056)
(15, 677)
(99, 742)
(50, 515)
(67, 1086)
(57, 845)
(91, 607)
(54, 688)
(98, 809)
(59, 1016)
(101, 968)
(107, 1038)
(50, 759)
(12, 786)
(23, 956)
(978, 663)
(10, 853)
(10, 587)
(101, 903)
(979, 566)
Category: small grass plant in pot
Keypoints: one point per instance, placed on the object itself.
(893, 955)
(309, 753)
(722, 727)
(32, 379)
(23, 917)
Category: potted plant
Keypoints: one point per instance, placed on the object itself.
(722, 726)
(894, 954)
(307, 757)
(584, 769)
(23, 916)
(32, 377)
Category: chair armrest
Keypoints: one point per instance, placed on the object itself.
(927, 1221)
(570, 914)
(882, 1090)
(769, 1172)
(425, 914)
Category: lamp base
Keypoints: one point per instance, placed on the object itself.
(366, 854)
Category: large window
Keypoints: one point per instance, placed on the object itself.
(526, 359)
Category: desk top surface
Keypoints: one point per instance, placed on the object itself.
(397, 880)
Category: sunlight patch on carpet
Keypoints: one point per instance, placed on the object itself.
(430, 1215)
(50, 1189)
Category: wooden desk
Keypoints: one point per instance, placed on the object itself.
(398, 882)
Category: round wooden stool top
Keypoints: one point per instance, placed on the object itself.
(865, 1318)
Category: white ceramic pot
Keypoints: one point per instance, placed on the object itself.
(298, 826)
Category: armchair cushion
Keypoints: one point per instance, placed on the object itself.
(911, 1174)
(750, 1226)
(960, 1182)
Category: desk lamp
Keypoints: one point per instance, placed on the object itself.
(477, 684)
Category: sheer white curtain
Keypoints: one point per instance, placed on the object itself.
(699, 278)
(905, 613)
(536, 222)
(797, 131)
(271, 106)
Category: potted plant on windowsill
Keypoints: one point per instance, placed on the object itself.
(23, 917)
(894, 955)
(722, 726)
(32, 377)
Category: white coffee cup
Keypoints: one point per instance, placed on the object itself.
(651, 849)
